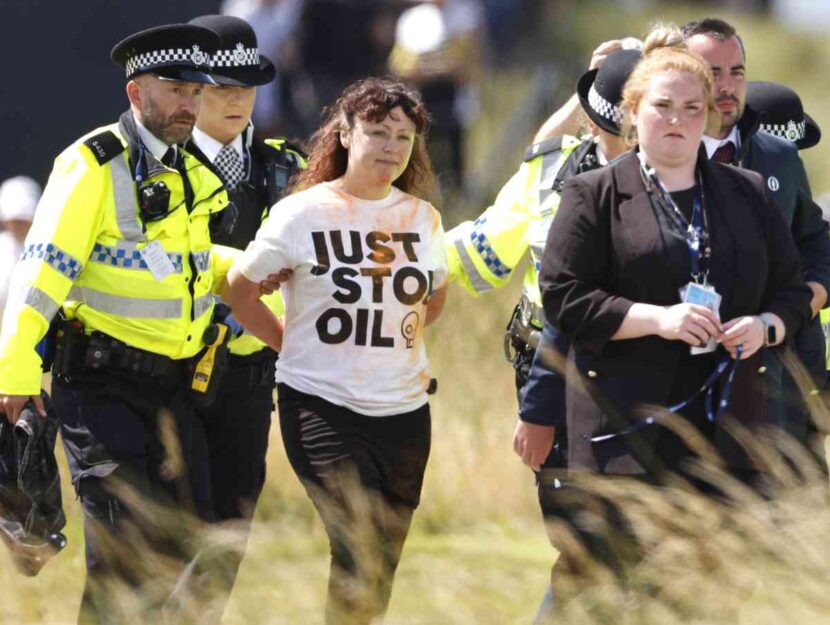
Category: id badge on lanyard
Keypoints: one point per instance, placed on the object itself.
(702, 295)
(698, 291)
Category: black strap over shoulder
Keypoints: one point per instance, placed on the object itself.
(105, 146)
(582, 159)
(548, 145)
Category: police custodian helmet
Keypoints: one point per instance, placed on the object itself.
(238, 61)
(600, 90)
(173, 52)
(784, 115)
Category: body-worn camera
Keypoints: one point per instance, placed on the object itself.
(154, 199)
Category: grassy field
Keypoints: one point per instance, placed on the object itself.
(477, 553)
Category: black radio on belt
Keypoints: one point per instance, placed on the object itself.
(154, 200)
(70, 347)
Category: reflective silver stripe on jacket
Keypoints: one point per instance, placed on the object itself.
(131, 307)
(126, 208)
(478, 282)
(41, 302)
(551, 164)
(202, 304)
(537, 250)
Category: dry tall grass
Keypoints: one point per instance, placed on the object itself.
(478, 554)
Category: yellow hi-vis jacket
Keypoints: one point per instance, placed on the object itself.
(83, 253)
(482, 254)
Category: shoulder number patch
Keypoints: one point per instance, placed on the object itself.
(105, 146)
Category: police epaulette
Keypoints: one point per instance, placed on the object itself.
(281, 144)
(105, 146)
(548, 145)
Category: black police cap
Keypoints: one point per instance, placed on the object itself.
(783, 113)
(173, 51)
(600, 90)
(238, 61)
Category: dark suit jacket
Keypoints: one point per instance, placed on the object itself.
(604, 252)
(778, 162)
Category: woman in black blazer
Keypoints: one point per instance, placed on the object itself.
(617, 258)
(618, 254)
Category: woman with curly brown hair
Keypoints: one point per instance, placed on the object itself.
(368, 274)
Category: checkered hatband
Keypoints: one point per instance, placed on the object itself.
(240, 56)
(160, 58)
(605, 108)
(792, 131)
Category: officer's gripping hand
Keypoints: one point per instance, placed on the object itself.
(602, 51)
(532, 443)
(273, 281)
(12, 406)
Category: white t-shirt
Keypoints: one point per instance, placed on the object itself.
(354, 306)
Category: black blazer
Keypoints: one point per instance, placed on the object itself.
(604, 252)
(778, 162)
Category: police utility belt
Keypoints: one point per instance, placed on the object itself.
(246, 373)
(524, 328)
(77, 353)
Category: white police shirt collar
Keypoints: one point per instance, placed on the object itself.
(210, 147)
(711, 144)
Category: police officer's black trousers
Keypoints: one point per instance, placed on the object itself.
(236, 425)
(139, 467)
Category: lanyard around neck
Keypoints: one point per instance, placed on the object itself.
(695, 231)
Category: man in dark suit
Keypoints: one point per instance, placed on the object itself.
(740, 143)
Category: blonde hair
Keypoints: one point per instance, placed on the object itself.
(665, 50)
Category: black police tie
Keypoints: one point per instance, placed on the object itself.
(169, 158)
(230, 166)
(725, 153)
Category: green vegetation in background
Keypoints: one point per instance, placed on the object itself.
(570, 29)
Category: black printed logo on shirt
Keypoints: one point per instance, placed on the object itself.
(368, 256)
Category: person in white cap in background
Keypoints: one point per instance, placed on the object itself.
(18, 199)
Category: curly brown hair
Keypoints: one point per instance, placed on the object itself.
(370, 99)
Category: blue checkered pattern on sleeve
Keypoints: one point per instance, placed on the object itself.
(486, 251)
(55, 257)
(201, 260)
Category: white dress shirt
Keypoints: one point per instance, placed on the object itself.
(210, 147)
(711, 144)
